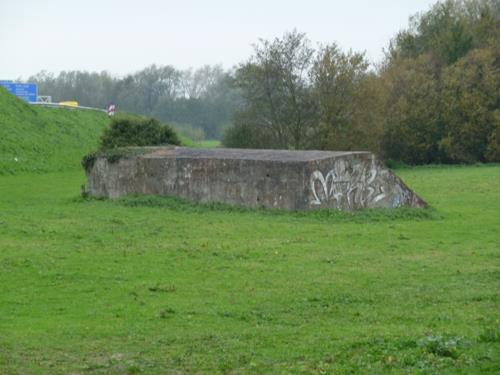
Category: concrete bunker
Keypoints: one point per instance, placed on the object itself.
(292, 180)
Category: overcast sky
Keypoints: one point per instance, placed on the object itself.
(123, 36)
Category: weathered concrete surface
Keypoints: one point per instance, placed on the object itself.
(294, 180)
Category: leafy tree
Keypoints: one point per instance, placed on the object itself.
(412, 114)
(338, 83)
(442, 93)
(471, 97)
(275, 90)
(297, 97)
(443, 31)
(127, 95)
(155, 82)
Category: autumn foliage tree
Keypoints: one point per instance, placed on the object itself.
(471, 97)
(298, 97)
(443, 77)
(344, 94)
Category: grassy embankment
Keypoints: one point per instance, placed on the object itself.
(157, 286)
(38, 139)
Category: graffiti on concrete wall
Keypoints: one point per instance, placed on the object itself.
(348, 186)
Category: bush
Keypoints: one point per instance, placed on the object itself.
(125, 132)
(246, 136)
(441, 346)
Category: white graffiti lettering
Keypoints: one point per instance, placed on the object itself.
(347, 186)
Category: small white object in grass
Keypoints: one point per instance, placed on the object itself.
(16, 159)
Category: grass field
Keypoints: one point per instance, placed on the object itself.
(157, 286)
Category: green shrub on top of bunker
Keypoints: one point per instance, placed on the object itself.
(137, 131)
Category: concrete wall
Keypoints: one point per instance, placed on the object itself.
(293, 180)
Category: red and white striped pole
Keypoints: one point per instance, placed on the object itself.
(111, 110)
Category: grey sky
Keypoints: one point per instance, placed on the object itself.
(123, 36)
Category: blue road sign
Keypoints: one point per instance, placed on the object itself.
(25, 91)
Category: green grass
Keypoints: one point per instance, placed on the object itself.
(160, 286)
(210, 143)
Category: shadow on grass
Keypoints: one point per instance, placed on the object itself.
(359, 216)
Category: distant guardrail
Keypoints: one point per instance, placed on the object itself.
(57, 105)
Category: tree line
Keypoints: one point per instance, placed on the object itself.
(434, 98)
(198, 102)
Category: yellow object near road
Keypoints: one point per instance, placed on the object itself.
(70, 103)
